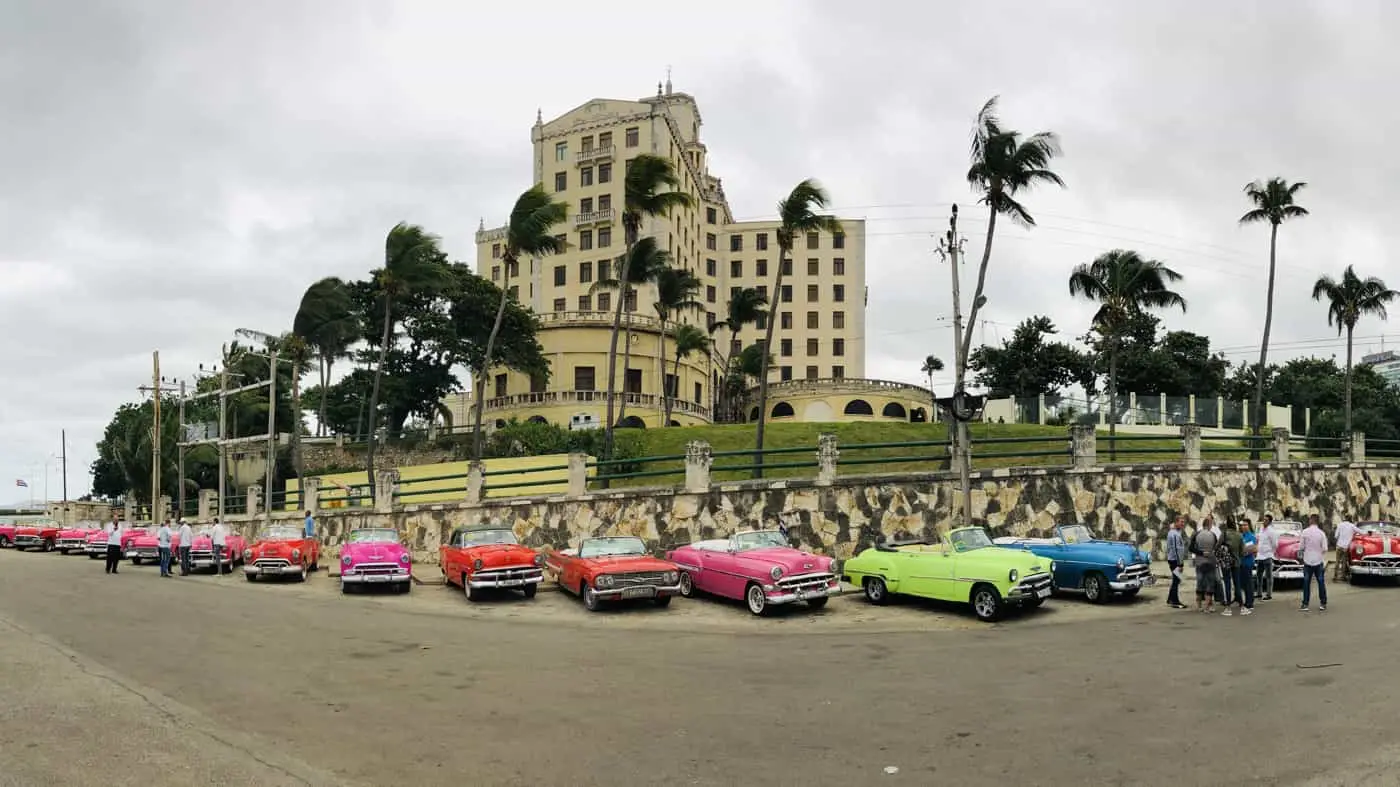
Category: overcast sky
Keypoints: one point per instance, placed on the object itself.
(171, 172)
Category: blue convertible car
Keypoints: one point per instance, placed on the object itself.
(1084, 563)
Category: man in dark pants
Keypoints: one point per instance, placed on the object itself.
(1176, 557)
(114, 546)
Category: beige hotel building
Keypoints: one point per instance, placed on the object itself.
(580, 157)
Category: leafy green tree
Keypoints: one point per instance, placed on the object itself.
(1348, 300)
(327, 322)
(746, 307)
(676, 291)
(529, 234)
(643, 264)
(688, 340)
(124, 457)
(932, 365)
(1274, 202)
(1029, 364)
(798, 214)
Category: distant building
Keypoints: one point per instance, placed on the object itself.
(1386, 363)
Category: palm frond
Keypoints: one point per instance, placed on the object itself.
(532, 222)
(649, 188)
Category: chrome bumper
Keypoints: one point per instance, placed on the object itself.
(72, 546)
(143, 553)
(615, 594)
(208, 562)
(272, 571)
(512, 582)
(375, 579)
(23, 542)
(1363, 569)
(785, 596)
(1288, 572)
(1034, 586)
(96, 549)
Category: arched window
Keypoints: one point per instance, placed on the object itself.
(859, 407)
(753, 414)
(632, 422)
(538, 419)
(894, 410)
(783, 410)
(918, 415)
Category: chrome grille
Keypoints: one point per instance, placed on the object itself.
(806, 581)
(637, 579)
(1034, 583)
(271, 562)
(378, 568)
(509, 572)
(1283, 562)
(28, 540)
(1389, 561)
(1134, 572)
(71, 543)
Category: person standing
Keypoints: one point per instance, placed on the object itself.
(1244, 575)
(218, 539)
(114, 546)
(1312, 548)
(1346, 531)
(1264, 558)
(163, 547)
(1203, 545)
(1227, 561)
(1176, 557)
(186, 541)
(309, 530)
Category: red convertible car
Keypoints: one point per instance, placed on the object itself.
(1375, 550)
(74, 539)
(614, 568)
(7, 534)
(37, 535)
(760, 567)
(281, 551)
(202, 550)
(488, 557)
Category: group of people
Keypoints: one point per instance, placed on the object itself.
(1235, 565)
(165, 534)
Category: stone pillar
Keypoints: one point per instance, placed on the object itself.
(578, 476)
(827, 454)
(311, 494)
(1191, 445)
(340, 441)
(1356, 453)
(1280, 444)
(162, 509)
(1191, 409)
(255, 499)
(476, 482)
(386, 487)
(697, 466)
(130, 512)
(1040, 409)
(208, 505)
(1084, 446)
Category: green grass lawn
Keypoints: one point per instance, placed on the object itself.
(1037, 445)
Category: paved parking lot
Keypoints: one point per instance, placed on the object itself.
(221, 681)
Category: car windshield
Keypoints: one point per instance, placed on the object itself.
(1286, 528)
(473, 538)
(969, 539)
(759, 540)
(282, 533)
(1076, 534)
(375, 536)
(1378, 528)
(607, 547)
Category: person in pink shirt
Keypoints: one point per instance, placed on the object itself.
(1312, 550)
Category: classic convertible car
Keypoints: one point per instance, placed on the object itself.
(965, 567)
(488, 557)
(74, 539)
(37, 535)
(614, 568)
(1084, 563)
(374, 556)
(760, 567)
(143, 546)
(281, 551)
(202, 550)
(1288, 566)
(7, 534)
(1375, 550)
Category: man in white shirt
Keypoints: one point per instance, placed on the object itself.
(1264, 559)
(219, 538)
(1346, 531)
(114, 546)
(186, 534)
(163, 546)
(1312, 550)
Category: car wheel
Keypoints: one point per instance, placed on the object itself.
(590, 598)
(94, 557)
(302, 576)
(4, 542)
(247, 576)
(472, 594)
(662, 601)
(48, 546)
(687, 585)
(755, 598)
(316, 564)
(875, 591)
(136, 561)
(530, 590)
(406, 587)
(987, 603)
(817, 603)
(1096, 588)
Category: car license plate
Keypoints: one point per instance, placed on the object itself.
(1388, 572)
(646, 592)
(1043, 593)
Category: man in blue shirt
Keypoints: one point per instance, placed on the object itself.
(310, 531)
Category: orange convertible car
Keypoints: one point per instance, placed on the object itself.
(615, 568)
(487, 557)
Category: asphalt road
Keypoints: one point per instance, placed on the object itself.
(135, 679)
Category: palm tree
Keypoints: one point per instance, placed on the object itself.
(1273, 202)
(746, 307)
(676, 291)
(643, 264)
(529, 234)
(747, 364)
(1003, 163)
(797, 215)
(296, 349)
(932, 364)
(1348, 301)
(413, 264)
(326, 321)
(647, 191)
(688, 339)
(1124, 285)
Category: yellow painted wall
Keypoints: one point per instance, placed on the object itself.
(825, 401)
(448, 490)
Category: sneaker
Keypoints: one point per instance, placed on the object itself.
(1225, 613)
(1246, 611)
(1322, 608)
(1303, 608)
(1178, 606)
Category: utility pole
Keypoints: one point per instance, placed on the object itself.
(951, 249)
(180, 447)
(155, 389)
(64, 454)
(271, 437)
(223, 435)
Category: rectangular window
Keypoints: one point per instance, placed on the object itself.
(838, 240)
(495, 273)
(605, 173)
(786, 348)
(585, 303)
(760, 268)
(813, 321)
(495, 251)
(515, 291)
(710, 293)
(586, 143)
(585, 273)
(838, 320)
(711, 215)
(710, 241)
(838, 347)
(537, 384)
(604, 301)
(838, 293)
(604, 270)
(563, 242)
(561, 151)
(787, 267)
(762, 322)
(632, 383)
(631, 304)
(513, 270)
(786, 321)
(605, 139)
(813, 347)
(812, 238)
(813, 293)
(561, 275)
(604, 203)
(585, 176)
(699, 393)
(760, 241)
(633, 137)
(735, 347)
(736, 242)
(673, 384)
(785, 372)
(604, 237)
(561, 181)
(584, 379)
(838, 372)
(814, 267)
(585, 240)
(501, 386)
(709, 321)
(734, 292)
(560, 304)
(710, 266)
(812, 372)
(585, 205)
(838, 266)
(762, 291)
(736, 269)
(787, 293)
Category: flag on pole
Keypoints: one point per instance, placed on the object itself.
(21, 482)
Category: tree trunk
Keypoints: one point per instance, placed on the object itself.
(675, 372)
(478, 438)
(374, 397)
(665, 392)
(321, 410)
(296, 432)
(1347, 406)
(773, 306)
(965, 341)
(612, 374)
(1257, 409)
(626, 360)
(1113, 399)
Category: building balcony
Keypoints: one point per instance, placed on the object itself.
(605, 153)
(604, 216)
(552, 398)
(598, 319)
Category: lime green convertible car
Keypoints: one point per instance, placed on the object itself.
(965, 567)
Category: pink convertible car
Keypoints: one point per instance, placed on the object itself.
(374, 556)
(758, 567)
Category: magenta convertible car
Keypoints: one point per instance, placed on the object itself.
(758, 567)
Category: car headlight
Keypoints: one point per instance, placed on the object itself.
(671, 577)
(834, 566)
(345, 560)
(604, 581)
(539, 559)
(1121, 564)
(1360, 550)
(476, 564)
(403, 558)
(1014, 575)
(1052, 565)
(247, 554)
(296, 554)
(776, 572)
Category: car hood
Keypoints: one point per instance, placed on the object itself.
(275, 547)
(1376, 544)
(76, 532)
(619, 564)
(374, 552)
(1003, 558)
(32, 530)
(492, 555)
(1107, 552)
(792, 561)
(144, 540)
(1288, 547)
